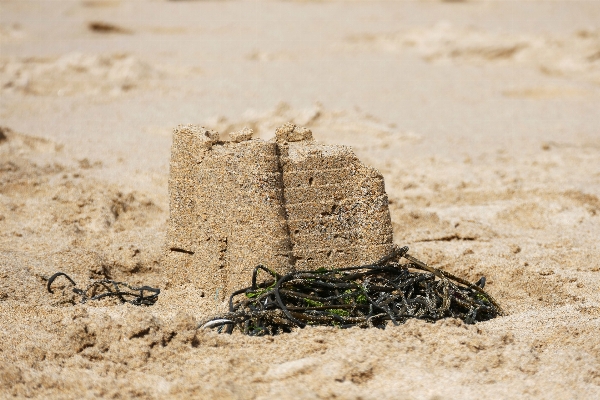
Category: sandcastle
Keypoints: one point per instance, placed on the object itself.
(289, 204)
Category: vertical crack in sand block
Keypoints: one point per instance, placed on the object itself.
(287, 204)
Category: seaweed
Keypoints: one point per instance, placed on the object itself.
(100, 289)
(365, 296)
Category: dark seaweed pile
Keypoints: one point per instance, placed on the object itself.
(362, 296)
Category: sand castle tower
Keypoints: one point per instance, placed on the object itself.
(289, 204)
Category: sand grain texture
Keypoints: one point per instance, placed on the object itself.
(481, 116)
(290, 204)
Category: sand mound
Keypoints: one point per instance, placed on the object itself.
(361, 130)
(77, 73)
(576, 56)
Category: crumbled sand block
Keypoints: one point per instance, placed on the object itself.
(287, 204)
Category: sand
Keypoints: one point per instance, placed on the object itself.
(289, 204)
(481, 116)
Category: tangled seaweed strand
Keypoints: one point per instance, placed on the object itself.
(363, 296)
(107, 288)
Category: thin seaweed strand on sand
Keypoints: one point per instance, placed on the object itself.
(99, 289)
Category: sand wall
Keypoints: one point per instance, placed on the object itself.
(287, 204)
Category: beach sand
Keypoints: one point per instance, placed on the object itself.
(482, 117)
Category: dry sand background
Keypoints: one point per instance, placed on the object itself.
(482, 116)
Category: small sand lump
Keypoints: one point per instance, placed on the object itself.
(241, 135)
(291, 133)
(202, 137)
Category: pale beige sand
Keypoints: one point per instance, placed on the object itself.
(482, 117)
